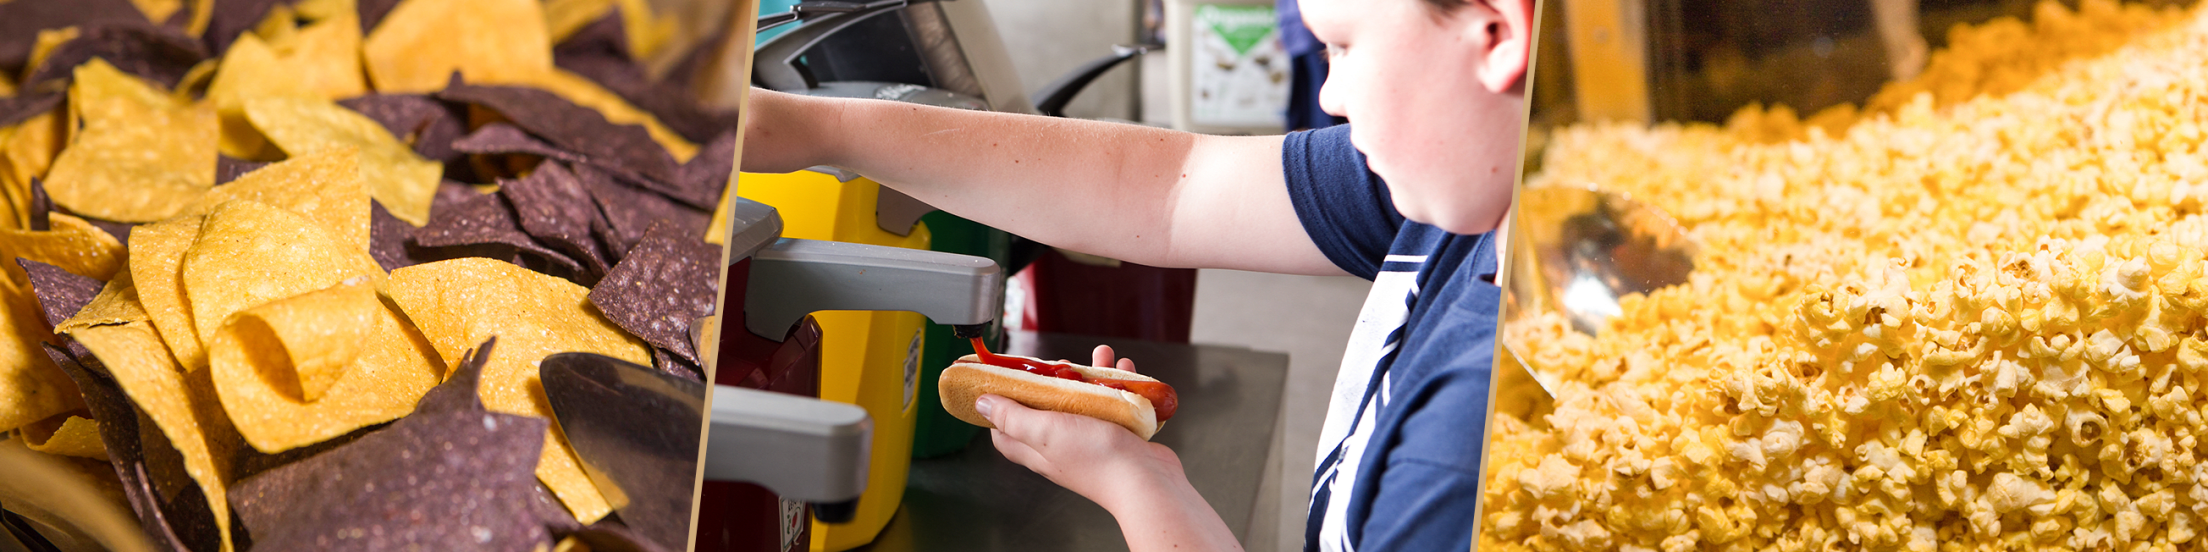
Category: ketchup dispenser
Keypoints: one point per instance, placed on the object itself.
(775, 284)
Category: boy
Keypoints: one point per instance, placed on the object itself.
(1433, 90)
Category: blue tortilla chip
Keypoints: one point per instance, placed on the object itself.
(60, 293)
(155, 53)
(627, 149)
(553, 207)
(450, 476)
(661, 287)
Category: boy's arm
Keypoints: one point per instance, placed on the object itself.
(1151, 196)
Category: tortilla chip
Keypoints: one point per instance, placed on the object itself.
(158, 10)
(152, 52)
(419, 45)
(429, 125)
(631, 211)
(324, 186)
(300, 345)
(120, 435)
(563, 17)
(356, 362)
(30, 151)
(249, 254)
(156, 268)
(452, 461)
(66, 435)
(625, 148)
(116, 303)
(482, 221)
(716, 230)
(182, 405)
(647, 33)
(613, 107)
(32, 103)
(387, 237)
(195, 81)
(661, 287)
(279, 28)
(326, 55)
(402, 181)
(72, 244)
(502, 138)
(228, 169)
(31, 389)
(552, 205)
(461, 302)
(251, 69)
(20, 21)
(140, 155)
(231, 19)
(60, 294)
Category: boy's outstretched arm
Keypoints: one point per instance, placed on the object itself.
(1144, 195)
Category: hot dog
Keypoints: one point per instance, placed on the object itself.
(1139, 403)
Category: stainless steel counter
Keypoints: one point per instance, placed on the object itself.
(1224, 433)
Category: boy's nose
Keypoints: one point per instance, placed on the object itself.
(1330, 98)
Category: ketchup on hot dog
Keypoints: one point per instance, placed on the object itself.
(1161, 395)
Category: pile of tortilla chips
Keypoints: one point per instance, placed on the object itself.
(244, 239)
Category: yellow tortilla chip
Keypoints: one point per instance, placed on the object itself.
(716, 230)
(563, 17)
(182, 405)
(72, 244)
(584, 92)
(203, 12)
(390, 368)
(44, 45)
(279, 28)
(462, 302)
(325, 187)
(647, 33)
(326, 56)
(200, 75)
(31, 387)
(7, 86)
(158, 10)
(402, 181)
(310, 338)
(251, 69)
(117, 303)
(66, 435)
(30, 150)
(319, 10)
(421, 43)
(249, 254)
(140, 155)
(156, 270)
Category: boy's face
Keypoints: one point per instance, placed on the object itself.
(1434, 97)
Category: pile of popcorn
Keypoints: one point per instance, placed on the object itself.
(1969, 320)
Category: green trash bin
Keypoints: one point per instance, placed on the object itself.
(936, 432)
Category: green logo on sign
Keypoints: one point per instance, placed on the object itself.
(1240, 26)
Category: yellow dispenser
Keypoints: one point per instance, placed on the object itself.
(868, 358)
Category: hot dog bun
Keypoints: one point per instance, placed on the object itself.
(969, 379)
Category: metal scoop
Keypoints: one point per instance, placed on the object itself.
(1575, 250)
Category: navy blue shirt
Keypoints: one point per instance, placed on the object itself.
(1398, 463)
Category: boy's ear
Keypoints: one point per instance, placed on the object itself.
(1503, 29)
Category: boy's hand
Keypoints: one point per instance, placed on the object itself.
(1093, 458)
(1102, 358)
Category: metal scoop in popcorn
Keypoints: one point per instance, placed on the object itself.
(1573, 251)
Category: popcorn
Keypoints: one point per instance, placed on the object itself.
(1972, 314)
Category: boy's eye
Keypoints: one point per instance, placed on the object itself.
(1335, 50)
